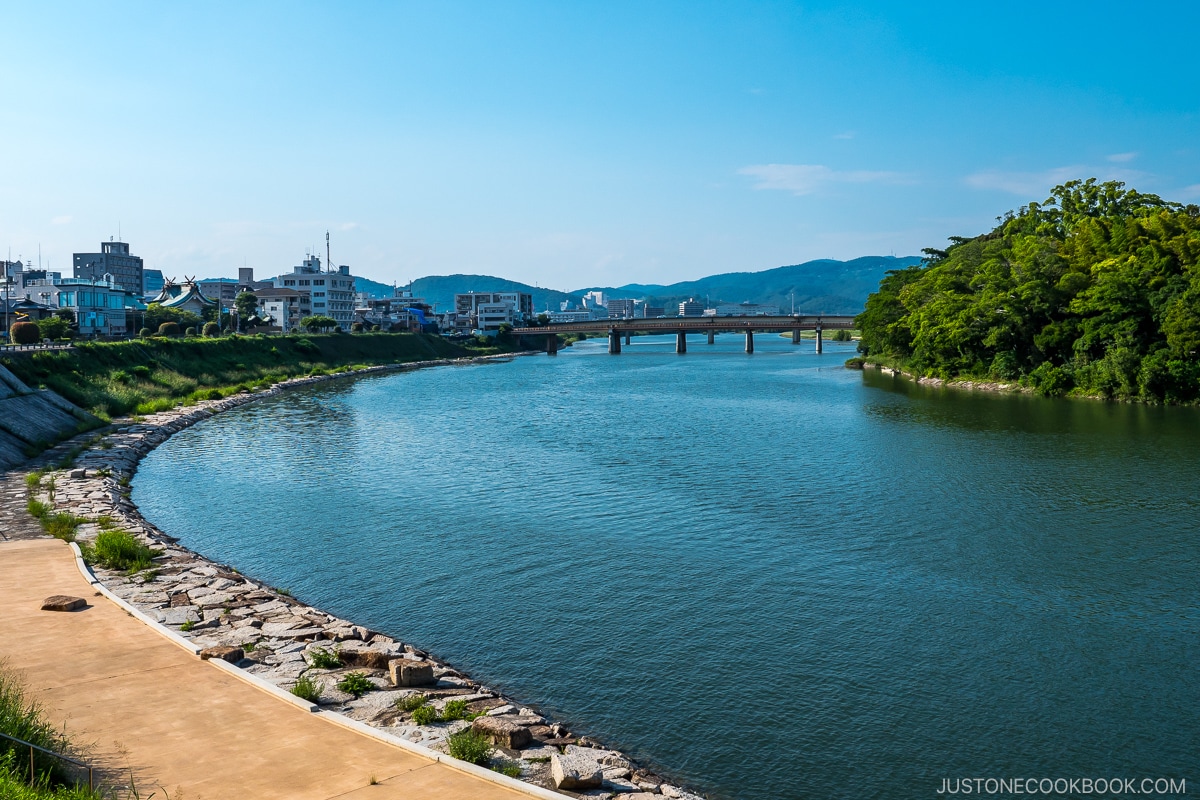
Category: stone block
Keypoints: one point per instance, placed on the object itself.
(224, 652)
(575, 771)
(404, 672)
(503, 732)
(62, 602)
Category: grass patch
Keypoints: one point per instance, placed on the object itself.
(34, 479)
(456, 709)
(308, 689)
(469, 746)
(61, 525)
(36, 508)
(151, 375)
(411, 702)
(21, 716)
(321, 658)
(424, 715)
(510, 768)
(355, 683)
(119, 550)
(187, 625)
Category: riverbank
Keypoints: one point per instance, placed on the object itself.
(981, 386)
(273, 636)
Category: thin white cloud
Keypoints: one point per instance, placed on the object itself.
(1029, 184)
(1191, 191)
(349, 226)
(845, 135)
(1122, 158)
(803, 179)
(63, 220)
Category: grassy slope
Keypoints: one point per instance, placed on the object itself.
(114, 378)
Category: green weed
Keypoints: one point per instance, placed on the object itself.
(469, 746)
(308, 689)
(355, 683)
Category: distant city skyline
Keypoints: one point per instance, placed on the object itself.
(572, 144)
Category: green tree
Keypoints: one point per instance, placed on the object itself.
(246, 304)
(211, 329)
(168, 329)
(318, 322)
(53, 327)
(157, 314)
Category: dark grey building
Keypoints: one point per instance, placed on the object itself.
(115, 260)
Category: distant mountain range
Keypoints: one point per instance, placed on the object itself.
(825, 286)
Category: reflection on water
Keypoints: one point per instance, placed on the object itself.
(770, 575)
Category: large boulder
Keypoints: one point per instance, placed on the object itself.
(575, 771)
(405, 672)
(503, 732)
(224, 652)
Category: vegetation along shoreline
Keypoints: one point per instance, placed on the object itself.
(331, 663)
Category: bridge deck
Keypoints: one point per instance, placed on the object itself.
(674, 324)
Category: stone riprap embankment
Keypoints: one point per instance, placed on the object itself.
(276, 637)
(29, 419)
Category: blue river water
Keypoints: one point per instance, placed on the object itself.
(765, 575)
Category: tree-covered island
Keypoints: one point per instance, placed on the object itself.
(1096, 291)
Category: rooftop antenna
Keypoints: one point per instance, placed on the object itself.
(328, 262)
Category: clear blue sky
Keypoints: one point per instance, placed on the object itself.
(573, 143)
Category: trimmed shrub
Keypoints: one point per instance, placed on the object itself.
(356, 327)
(211, 329)
(168, 329)
(145, 333)
(24, 333)
(189, 332)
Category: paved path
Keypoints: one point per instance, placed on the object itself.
(180, 723)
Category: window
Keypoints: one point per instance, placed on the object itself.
(289, 283)
(304, 282)
(318, 294)
(319, 283)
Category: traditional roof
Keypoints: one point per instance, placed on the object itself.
(180, 295)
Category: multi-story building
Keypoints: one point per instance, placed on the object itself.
(651, 312)
(570, 316)
(283, 307)
(472, 315)
(114, 259)
(691, 308)
(331, 294)
(746, 309)
(621, 308)
(99, 307)
(152, 282)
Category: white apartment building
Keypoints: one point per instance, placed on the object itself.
(331, 293)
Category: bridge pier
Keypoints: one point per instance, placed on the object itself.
(628, 335)
(795, 336)
(614, 343)
(749, 341)
(712, 336)
(552, 344)
(681, 341)
(819, 348)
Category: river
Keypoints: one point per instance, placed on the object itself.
(765, 575)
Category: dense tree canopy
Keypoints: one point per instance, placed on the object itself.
(1095, 290)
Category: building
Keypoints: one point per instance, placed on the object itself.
(221, 289)
(152, 282)
(99, 307)
(472, 314)
(331, 294)
(186, 296)
(746, 309)
(283, 307)
(621, 308)
(114, 260)
(400, 312)
(570, 316)
(653, 312)
(691, 308)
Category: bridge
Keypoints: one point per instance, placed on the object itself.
(682, 326)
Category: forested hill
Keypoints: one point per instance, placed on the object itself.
(825, 286)
(1095, 291)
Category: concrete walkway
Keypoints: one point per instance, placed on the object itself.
(180, 723)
